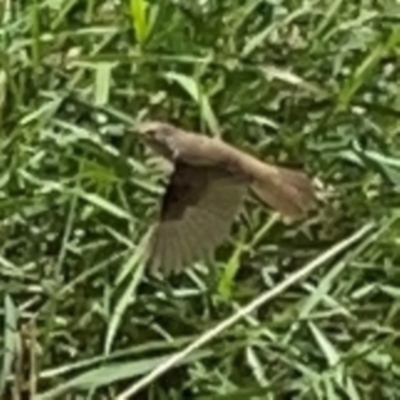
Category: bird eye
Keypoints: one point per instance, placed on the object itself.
(152, 132)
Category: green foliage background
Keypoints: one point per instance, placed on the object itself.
(312, 84)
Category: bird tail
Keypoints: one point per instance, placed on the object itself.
(288, 191)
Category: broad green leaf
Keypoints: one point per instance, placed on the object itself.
(103, 83)
(139, 20)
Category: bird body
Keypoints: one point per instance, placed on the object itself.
(207, 185)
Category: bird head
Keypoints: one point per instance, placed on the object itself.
(158, 135)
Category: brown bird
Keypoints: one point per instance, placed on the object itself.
(206, 188)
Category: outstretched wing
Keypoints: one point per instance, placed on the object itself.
(196, 215)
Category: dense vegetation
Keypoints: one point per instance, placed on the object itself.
(312, 84)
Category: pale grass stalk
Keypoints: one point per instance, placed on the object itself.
(256, 303)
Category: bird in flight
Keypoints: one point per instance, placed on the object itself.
(206, 187)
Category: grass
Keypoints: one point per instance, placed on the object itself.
(310, 84)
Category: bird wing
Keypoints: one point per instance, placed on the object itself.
(196, 214)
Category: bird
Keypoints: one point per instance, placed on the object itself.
(205, 190)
